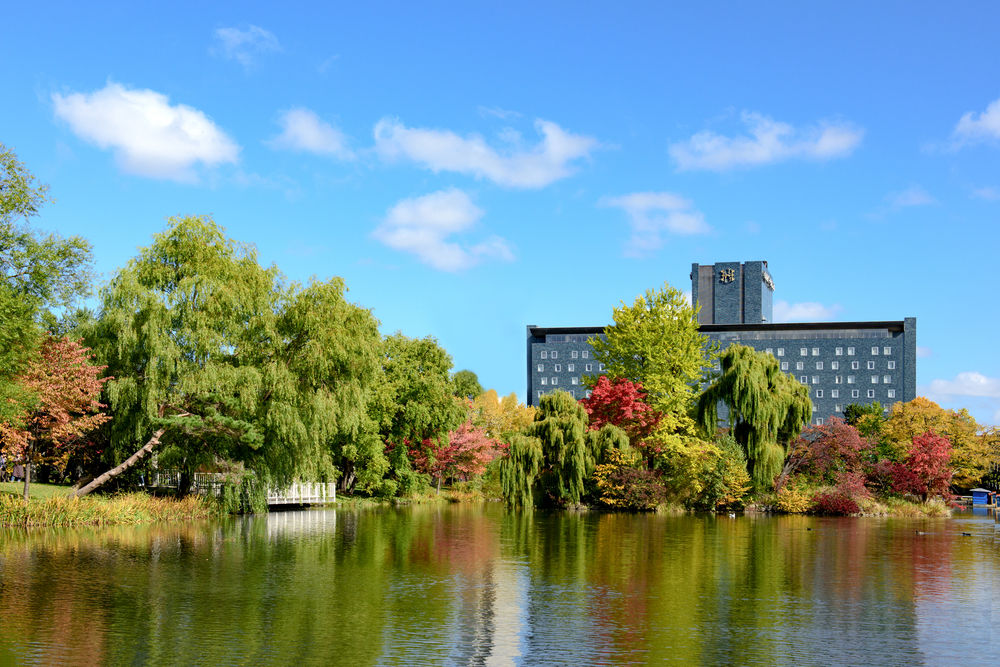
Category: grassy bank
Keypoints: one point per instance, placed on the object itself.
(123, 509)
(34, 490)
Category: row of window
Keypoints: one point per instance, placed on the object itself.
(805, 351)
(573, 392)
(855, 393)
(839, 379)
(570, 367)
(554, 380)
(835, 365)
(554, 354)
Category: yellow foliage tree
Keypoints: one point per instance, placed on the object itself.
(500, 417)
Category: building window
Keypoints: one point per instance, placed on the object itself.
(575, 380)
(586, 355)
(855, 365)
(834, 365)
(838, 408)
(588, 367)
(834, 393)
(541, 367)
(557, 368)
(850, 351)
(891, 365)
(539, 393)
(886, 379)
(815, 379)
(819, 421)
(570, 367)
(770, 351)
(784, 365)
(803, 351)
(850, 379)
(819, 393)
(892, 393)
(875, 351)
(803, 379)
(815, 351)
(600, 367)
(544, 354)
(871, 365)
(855, 393)
(781, 351)
(886, 350)
(545, 381)
(800, 366)
(839, 351)
(871, 393)
(555, 380)
(574, 354)
(874, 379)
(838, 379)
(819, 365)
(555, 354)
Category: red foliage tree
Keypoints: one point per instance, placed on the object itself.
(824, 452)
(926, 470)
(621, 403)
(465, 454)
(66, 387)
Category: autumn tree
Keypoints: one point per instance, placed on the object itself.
(621, 403)
(925, 471)
(65, 387)
(655, 342)
(970, 452)
(40, 275)
(766, 409)
(824, 451)
(501, 418)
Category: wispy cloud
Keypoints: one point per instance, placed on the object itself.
(516, 166)
(424, 226)
(970, 389)
(924, 352)
(975, 127)
(768, 141)
(989, 193)
(243, 46)
(302, 130)
(147, 134)
(806, 311)
(497, 112)
(654, 214)
(912, 196)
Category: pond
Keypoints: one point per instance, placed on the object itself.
(473, 584)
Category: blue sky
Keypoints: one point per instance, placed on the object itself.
(470, 168)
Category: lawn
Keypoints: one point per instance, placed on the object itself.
(36, 490)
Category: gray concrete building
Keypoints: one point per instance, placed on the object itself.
(840, 362)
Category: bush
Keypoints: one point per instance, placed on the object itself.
(794, 499)
(835, 503)
(623, 484)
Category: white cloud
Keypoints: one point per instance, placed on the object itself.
(148, 135)
(302, 130)
(968, 383)
(244, 45)
(769, 141)
(973, 127)
(807, 311)
(923, 352)
(497, 112)
(422, 226)
(516, 166)
(652, 214)
(989, 193)
(912, 196)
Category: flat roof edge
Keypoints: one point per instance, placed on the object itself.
(895, 325)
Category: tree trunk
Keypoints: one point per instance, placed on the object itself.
(129, 462)
(27, 477)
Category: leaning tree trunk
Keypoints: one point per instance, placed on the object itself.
(129, 462)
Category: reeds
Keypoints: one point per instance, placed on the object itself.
(126, 508)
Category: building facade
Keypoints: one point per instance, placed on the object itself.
(840, 362)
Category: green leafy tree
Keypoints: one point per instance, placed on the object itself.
(42, 274)
(767, 409)
(655, 342)
(416, 407)
(465, 384)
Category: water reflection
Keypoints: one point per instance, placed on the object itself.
(476, 585)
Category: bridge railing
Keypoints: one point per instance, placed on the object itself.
(210, 483)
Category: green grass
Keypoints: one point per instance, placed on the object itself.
(35, 490)
(122, 509)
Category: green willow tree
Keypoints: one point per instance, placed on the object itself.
(550, 463)
(656, 342)
(40, 276)
(214, 358)
(767, 409)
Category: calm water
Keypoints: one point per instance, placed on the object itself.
(475, 585)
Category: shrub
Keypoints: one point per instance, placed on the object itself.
(794, 499)
(621, 484)
(836, 503)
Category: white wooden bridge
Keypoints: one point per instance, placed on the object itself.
(210, 483)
